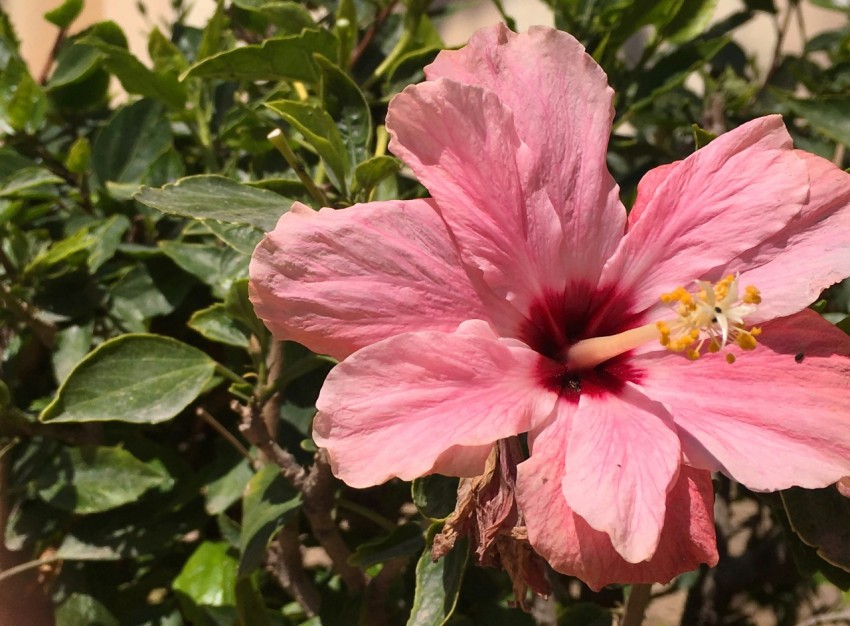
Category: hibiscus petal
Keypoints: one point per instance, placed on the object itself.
(811, 253)
(622, 457)
(339, 280)
(572, 547)
(462, 145)
(776, 418)
(705, 210)
(396, 407)
(567, 124)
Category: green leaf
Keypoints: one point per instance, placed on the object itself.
(79, 156)
(135, 77)
(827, 115)
(321, 132)
(348, 107)
(82, 610)
(129, 145)
(65, 13)
(23, 105)
(690, 21)
(28, 180)
(437, 584)
(146, 291)
(93, 480)
(217, 198)
(283, 58)
(72, 344)
(132, 378)
(107, 236)
(250, 605)
(241, 237)
(821, 518)
(211, 38)
(209, 576)
(269, 502)
(371, 172)
(702, 137)
(405, 540)
(435, 496)
(217, 266)
(238, 305)
(291, 17)
(215, 324)
(222, 492)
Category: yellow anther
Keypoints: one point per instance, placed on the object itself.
(755, 331)
(751, 295)
(746, 341)
(712, 316)
(730, 358)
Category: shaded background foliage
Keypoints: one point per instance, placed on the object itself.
(155, 460)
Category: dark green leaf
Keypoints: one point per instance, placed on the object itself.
(345, 27)
(23, 105)
(249, 603)
(290, 16)
(65, 13)
(405, 540)
(107, 236)
(92, 480)
(437, 584)
(222, 492)
(216, 325)
(217, 198)
(284, 58)
(821, 518)
(242, 238)
(28, 180)
(828, 116)
(217, 266)
(702, 137)
(132, 378)
(72, 344)
(435, 496)
(347, 106)
(126, 148)
(690, 20)
(83, 610)
(135, 77)
(321, 132)
(270, 501)
(238, 305)
(211, 39)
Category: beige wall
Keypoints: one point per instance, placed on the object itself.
(37, 36)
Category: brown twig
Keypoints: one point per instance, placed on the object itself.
(378, 590)
(286, 563)
(45, 332)
(51, 58)
(221, 430)
(838, 617)
(317, 492)
(370, 33)
(271, 407)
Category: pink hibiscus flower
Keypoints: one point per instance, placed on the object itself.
(521, 298)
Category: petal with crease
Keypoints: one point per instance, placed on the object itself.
(396, 407)
(461, 142)
(572, 547)
(703, 211)
(567, 124)
(812, 252)
(622, 457)
(778, 417)
(336, 281)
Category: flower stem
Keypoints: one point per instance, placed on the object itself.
(278, 140)
(638, 600)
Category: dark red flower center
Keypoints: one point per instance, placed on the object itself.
(557, 320)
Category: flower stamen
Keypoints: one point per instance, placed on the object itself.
(713, 315)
